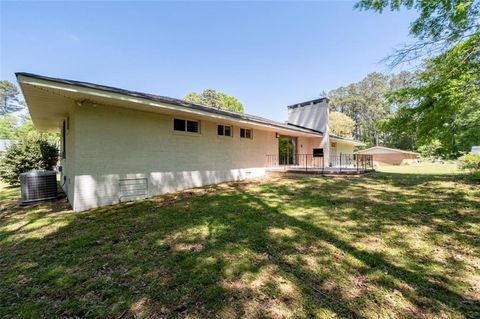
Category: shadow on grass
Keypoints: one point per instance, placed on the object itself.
(289, 247)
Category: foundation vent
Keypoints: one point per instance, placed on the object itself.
(133, 189)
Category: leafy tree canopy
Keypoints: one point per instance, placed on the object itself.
(10, 100)
(220, 100)
(442, 104)
(367, 103)
(341, 124)
(21, 127)
(441, 24)
(8, 127)
(28, 154)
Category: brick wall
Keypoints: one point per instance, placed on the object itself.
(112, 143)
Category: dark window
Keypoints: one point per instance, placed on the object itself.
(318, 152)
(224, 130)
(245, 133)
(192, 126)
(64, 140)
(186, 125)
(179, 125)
(228, 131)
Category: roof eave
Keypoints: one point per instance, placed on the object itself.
(153, 102)
(387, 148)
(347, 141)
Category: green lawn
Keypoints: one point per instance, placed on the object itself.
(422, 168)
(387, 245)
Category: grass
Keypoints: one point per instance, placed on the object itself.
(387, 245)
(422, 168)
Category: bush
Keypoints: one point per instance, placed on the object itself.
(25, 156)
(476, 175)
(471, 163)
(432, 150)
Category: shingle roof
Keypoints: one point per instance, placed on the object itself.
(170, 100)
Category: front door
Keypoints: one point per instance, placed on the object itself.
(286, 151)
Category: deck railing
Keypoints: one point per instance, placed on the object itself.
(358, 162)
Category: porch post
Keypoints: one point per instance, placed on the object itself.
(340, 162)
(325, 144)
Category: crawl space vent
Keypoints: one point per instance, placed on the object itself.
(133, 188)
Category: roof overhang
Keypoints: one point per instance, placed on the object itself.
(49, 101)
(384, 150)
(346, 141)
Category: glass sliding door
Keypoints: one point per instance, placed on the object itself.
(286, 150)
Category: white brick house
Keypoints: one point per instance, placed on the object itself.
(120, 145)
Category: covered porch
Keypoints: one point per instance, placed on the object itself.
(324, 155)
(316, 164)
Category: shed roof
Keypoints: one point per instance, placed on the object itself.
(386, 149)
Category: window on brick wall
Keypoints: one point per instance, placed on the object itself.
(64, 140)
(182, 125)
(224, 130)
(246, 133)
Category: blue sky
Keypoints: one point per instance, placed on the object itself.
(267, 54)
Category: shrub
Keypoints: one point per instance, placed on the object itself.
(432, 150)
(25, 156)
(471, 163)
(476, 175)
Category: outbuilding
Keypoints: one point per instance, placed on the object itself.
(389, 156)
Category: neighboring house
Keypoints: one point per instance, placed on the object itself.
(389, 156)
(475, 150)
(4, 144)
(120, 145)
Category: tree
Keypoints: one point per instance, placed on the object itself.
(10, 100)
(367, 102)
(440, 26)
(442, 103)
(8, 127)
(29, 154)
(230, 103)
(341, 124)
(471, 163)
(432, 150)
(220, 100)
(21, 127)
